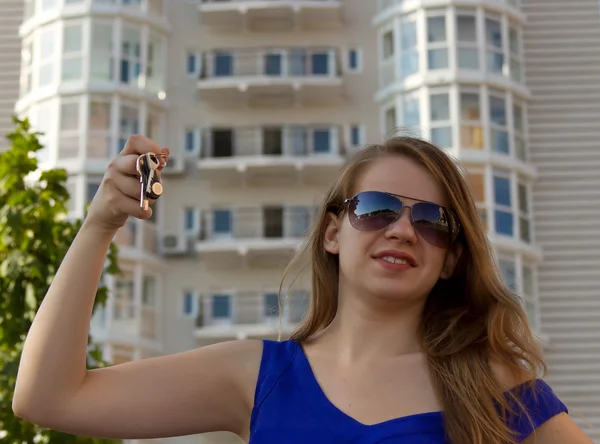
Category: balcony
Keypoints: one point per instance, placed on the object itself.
(257, 237)
(137, 240)
(274, 155)
(271, 15)
(271, 78)
(248, 314)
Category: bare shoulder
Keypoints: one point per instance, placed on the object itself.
(559, 429)
(203, 390)
(506, 376)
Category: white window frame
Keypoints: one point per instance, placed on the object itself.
(432, 46)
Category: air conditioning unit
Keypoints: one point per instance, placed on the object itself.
(173, 166)
(170, 244)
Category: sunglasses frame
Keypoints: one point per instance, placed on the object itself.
(454, 223)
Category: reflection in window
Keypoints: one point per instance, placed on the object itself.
(72, 57)
(471, 128)
(441, 127)
(494, 54)
(271, 305)
(499, 132)
(409, 63)
(466, 28)
(437, 52)
(503, 204)
(101, 59)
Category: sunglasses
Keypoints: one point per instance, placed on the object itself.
(375, 210)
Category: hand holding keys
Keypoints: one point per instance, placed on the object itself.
(150, 186)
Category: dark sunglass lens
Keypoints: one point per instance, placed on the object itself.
(372, 210)
(432, 223)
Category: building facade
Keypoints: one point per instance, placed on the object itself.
(261, 102)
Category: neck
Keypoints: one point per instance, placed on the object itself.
(363, 330)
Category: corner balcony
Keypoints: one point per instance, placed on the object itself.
(253, 236)
(274, 155)
(271, 78)
(261, 15)
(248, 314)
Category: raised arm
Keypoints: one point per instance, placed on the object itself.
(207, 389)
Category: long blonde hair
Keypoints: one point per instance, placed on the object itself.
(481, 321)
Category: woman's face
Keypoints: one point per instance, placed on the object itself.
(365, 256)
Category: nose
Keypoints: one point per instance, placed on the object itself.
(402, 229)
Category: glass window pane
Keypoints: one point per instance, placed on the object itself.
(440, 107)
(470, 108)
(527, 281)
(320, 63)
(222, 221)
(92, 189)
(436, 29)
(411, 112)
(72, 38)
(100, 116)
(525, 229)
(388, 44)
(504, 223)
(523, 204)
(495, 62)
(322, 141)
(502, 191)
(518, 118)
(390, 120)
(508, 272)
(498, 110)
(271, 305)
(437, 58)
(69, 117)
(188, 303)
(442, 137)
(493, 33)
(477, 183)
(101, 59)
(466, 28)
(192, 61)
(471, 136)
(273, 64)
(468, 58)
(72, 69)
(513, 38)
(500, 141)
(221, 306)
(223, 64)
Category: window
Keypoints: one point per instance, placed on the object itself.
(524, 219)
(437, 45)
(503, 203)
(494, 53)
(192, 220)
(390, 120)
(191, 141)
(72, 57)
(44, 120)
(354, 60)
(223, 64)
(99, 139)
(519, 132)
(388, 44)
(149, 291)
(222, 222)
(155, 68)
(441, 127)
(72, 189)
(192, 64)
(297, 304)
(129, 123)
(68, 145)
(189, 304)
(356, 135)
(508, 273)
(47, 50)
(101, 59)
(466, 28)
(498, 130)
(271, 305)
(221, 307)
(514, 39)
(297, 221)
(321, 141)
(476, 181)
(27, 67)
(320, 63)
(153, 125)
(411, 112)
(529, 294)
(48, 5)
(124, 304)
(273, 64)
(409, 61)
(131, 62)
(471, 128)
(92, 189)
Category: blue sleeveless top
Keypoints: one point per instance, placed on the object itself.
(291, 408)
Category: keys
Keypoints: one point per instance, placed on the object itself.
(150, 186)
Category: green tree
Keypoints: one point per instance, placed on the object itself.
(34, 237)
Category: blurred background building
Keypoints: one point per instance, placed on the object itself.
(262, 101)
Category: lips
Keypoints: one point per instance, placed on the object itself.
(396, 257)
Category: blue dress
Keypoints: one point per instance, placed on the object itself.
(291, 408)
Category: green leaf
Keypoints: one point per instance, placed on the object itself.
(34, 238)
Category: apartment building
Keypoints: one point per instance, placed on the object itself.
(11, 17)
(261, 102)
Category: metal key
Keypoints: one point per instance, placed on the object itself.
(150, 186)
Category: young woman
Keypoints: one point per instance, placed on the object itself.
(410, 337)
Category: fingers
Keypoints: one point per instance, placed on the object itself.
(138, 144)
(126, 164)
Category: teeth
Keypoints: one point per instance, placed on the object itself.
(394, 260)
